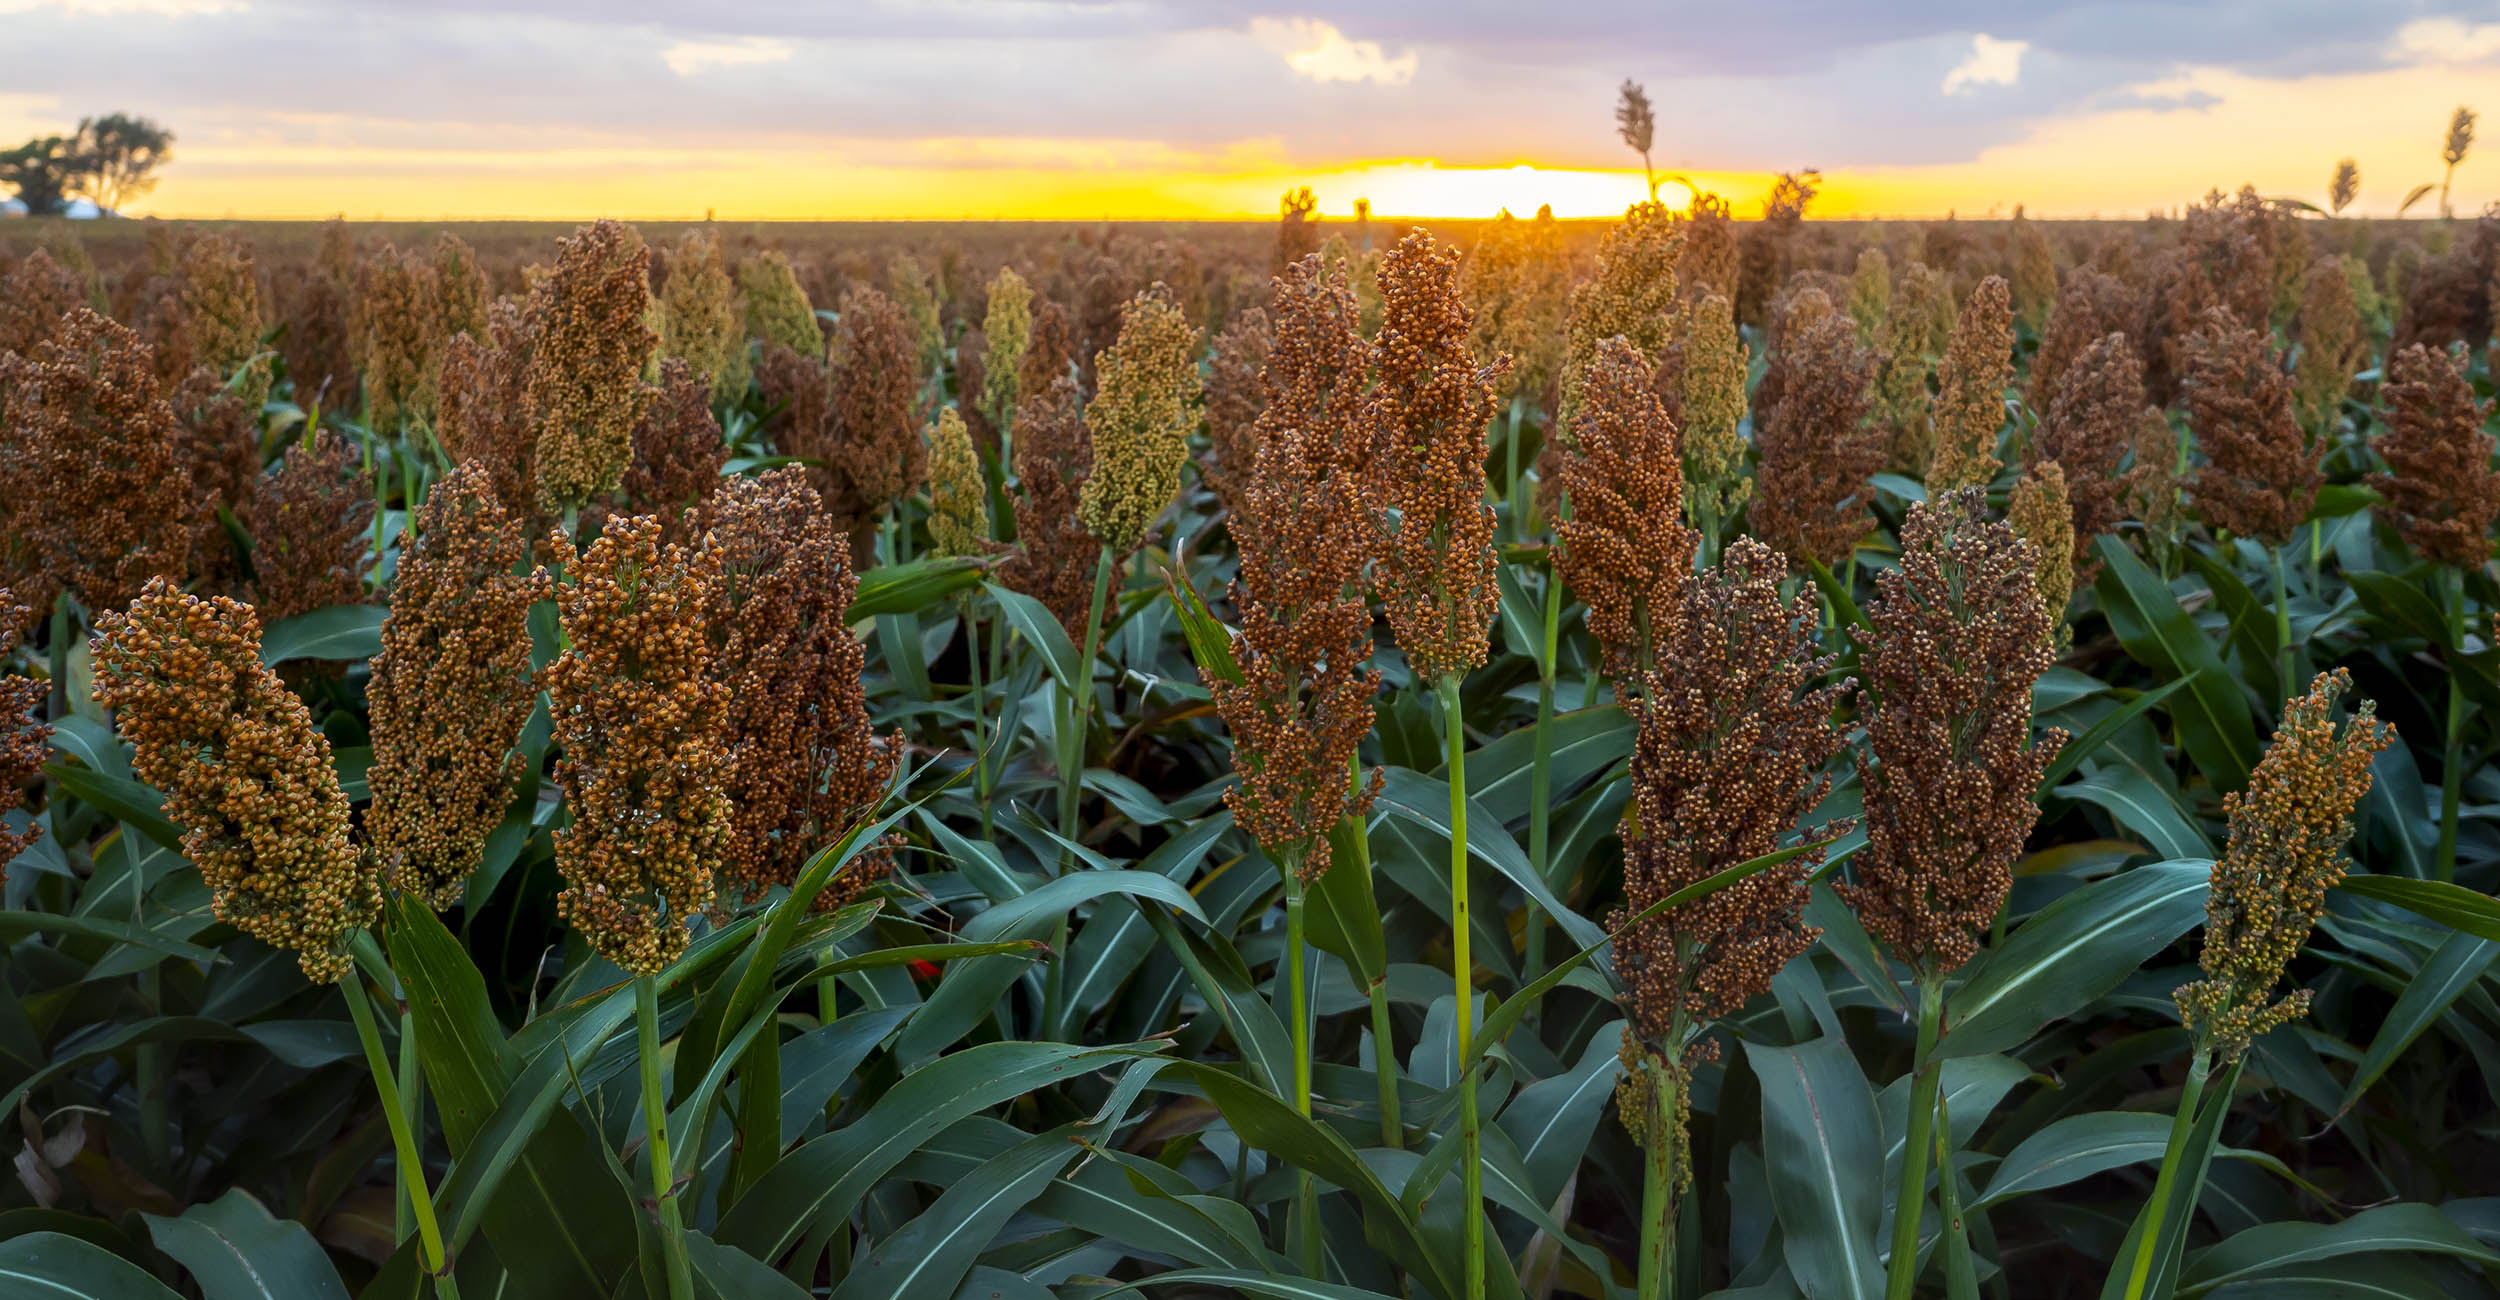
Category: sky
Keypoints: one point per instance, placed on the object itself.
(1188, 109)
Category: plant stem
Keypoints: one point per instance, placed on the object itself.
(1541, 771)
(412, 1105)
(2452, 758)
(1960, 1269)
(58, 653)
(1659, 1175)
(1079, 716)
(655, 1124)
(1910, 1200)
(411, 1163)
(1306, 1197)
(980, 738)
(1384, 1049)
(2283, 627)
(2139, 1272)
(1462, 965)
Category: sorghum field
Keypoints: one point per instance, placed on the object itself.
(1663, 758)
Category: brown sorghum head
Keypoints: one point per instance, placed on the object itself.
(1048, 353)
(451, 688)
(220, 454)
(2288, 830)
(1970, 406)
(1428, 418)
(394, 324)
(777, 308)
(1818, 449)
(2091, 306)
(2442, 492)
(803, 763)
(1141, 417)
(34, 298)
(221, 306)
(2152, 483)
(2447, 300)
(1710, 395)
(1631, 292)
(1055, 557)
(678, 451)
(1623, 548)
(877, 455)
(959, 497)
(311, 524)
(482, 410)
(646, 751)
(1735, 732)
(244, 772)
(23, 736)
(1958, 638)
(585, 373)
(1913, 336)
(699, 320)
(1517, 284)
(2088, 431)
(2261, 471)
(2040, 515)
(461, 294)
(917, 299)
(1304, 701)
(2332, 344)
(93, 494)
(1234, 400)
(1709, 264)
(1006, 331)
(2035, 274)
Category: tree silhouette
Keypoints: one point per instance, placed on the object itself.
(43, 171)
(119, 154)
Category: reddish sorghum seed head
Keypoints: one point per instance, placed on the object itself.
(482, 407)
(2288, 830)
(678, 452)
(1958, 637)
(1818, 449)
(876, 457)
(1055, 557)
(1234, 399)
(1623, 547)
(245, 774)
(2088, 431)
(2441, 490)
(585, 372)
(2261, 470)
(311, 524)
(2091, 306)
(23, 736)
(35, 298)
(1970, 406)
(451, 688)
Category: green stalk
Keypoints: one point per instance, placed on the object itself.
(1659, 1176)
(980, 740)
(1960, 1269)
(1384, 1053)
(2139, 1272)
(1306, 1195)
(410, 1163)
(655, 1124)
(412, 1104)
(2452, 758)
(1079, 716)
(62, 622)
(1462, 965)
(1541, 772)
(1910, 1200)
(1510, 455)
(2283, 627)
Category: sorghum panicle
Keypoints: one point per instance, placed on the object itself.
(877, 457)
(2261, 471)
(2288, 830)
(311, 523)
(2332, 344)
(2040, 515)
(2035, 274)
(646, 748)
(1234, 399)
(222, 312)
(461, 294)
(678, 451)
(245, 774)
(959, 498)
(394, 325)
(1055, 556)
(23, 736)
(1006, 331)
(482, 409)
(777, 309)
(1709, 264)
(1428, 417)
(1818, 449)
(451, 688)
(1631, 292)
(699, 319)
(1517, 284)
(2442, 492)
(585, 374)
(1624, 548)
(1970, 408)
(1141, 418)
(917, 299)
(1870, 294)
(1909, 343)
(2087, 430)
(35, 298)
(1711, 401)
(1049, 354)
(1958, 638)
(2091, 306)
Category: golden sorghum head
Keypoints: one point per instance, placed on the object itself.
(2261, 471)
(2088, 431)
(804, 764)
(2288, 830)
(1517, 285)
(1709, 264)
(395, 326)
(93, 494)
(2331, 344)
(34, 298)
(2442, 492)
(1915, 326)
(1623, 548)
(699, 320)
(482, 412)
(1870, 294)
(461, 294)
(311, 524)
(777, 307)
(1818, 449)
(23, 736)
(1055, 557)
(1970, 406)
(918, 300)
(1632, 292)
(244, 772)
(1428, 418)
(1235, 397)
(644, 731)
(2091, 306)
(585, 373)
(1735, 733)
(2345, 187)
(1304, 700)
(1006, 330)
(221, 301)
(1711, 393)
(451, 688)
(2040, 515)
(877, 455)
(2035, 275)
(1297, 227)
(959, 497)
(2460, 136)
(678, 451)
(1958, 638)
(1141, 419)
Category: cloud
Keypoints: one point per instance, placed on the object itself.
(1991, 63)
(1319, 51)
(2447, 40)
(689, 58)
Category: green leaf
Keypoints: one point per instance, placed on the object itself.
(913, 586)
(2402, 604)
(2456, 966)
(1343, 912)
(345, 632)
(2073, 951)
(1500, 775)
(1210, 642)
(1272, 1285)
(1042, 631)
(2214, 721)
(1551, 1120)
(1425, 801)
(2143, 807)
(931, 1254)
(17, 925)
(2075, 1148)
(724, 1274)
(51, 1266)
(1820, 1148)
(134, 804)
(2408, 1227)
(2460, 909)
(1845, 610)
(236, 1251)
(2187, 1192)
(2362, 1277)
(2100, 733)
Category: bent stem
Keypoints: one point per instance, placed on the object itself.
(2452, 758)
(403, 1140)
(2140, 1269)
(655, 1125)
(1462, 965)
(1910, 1200)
